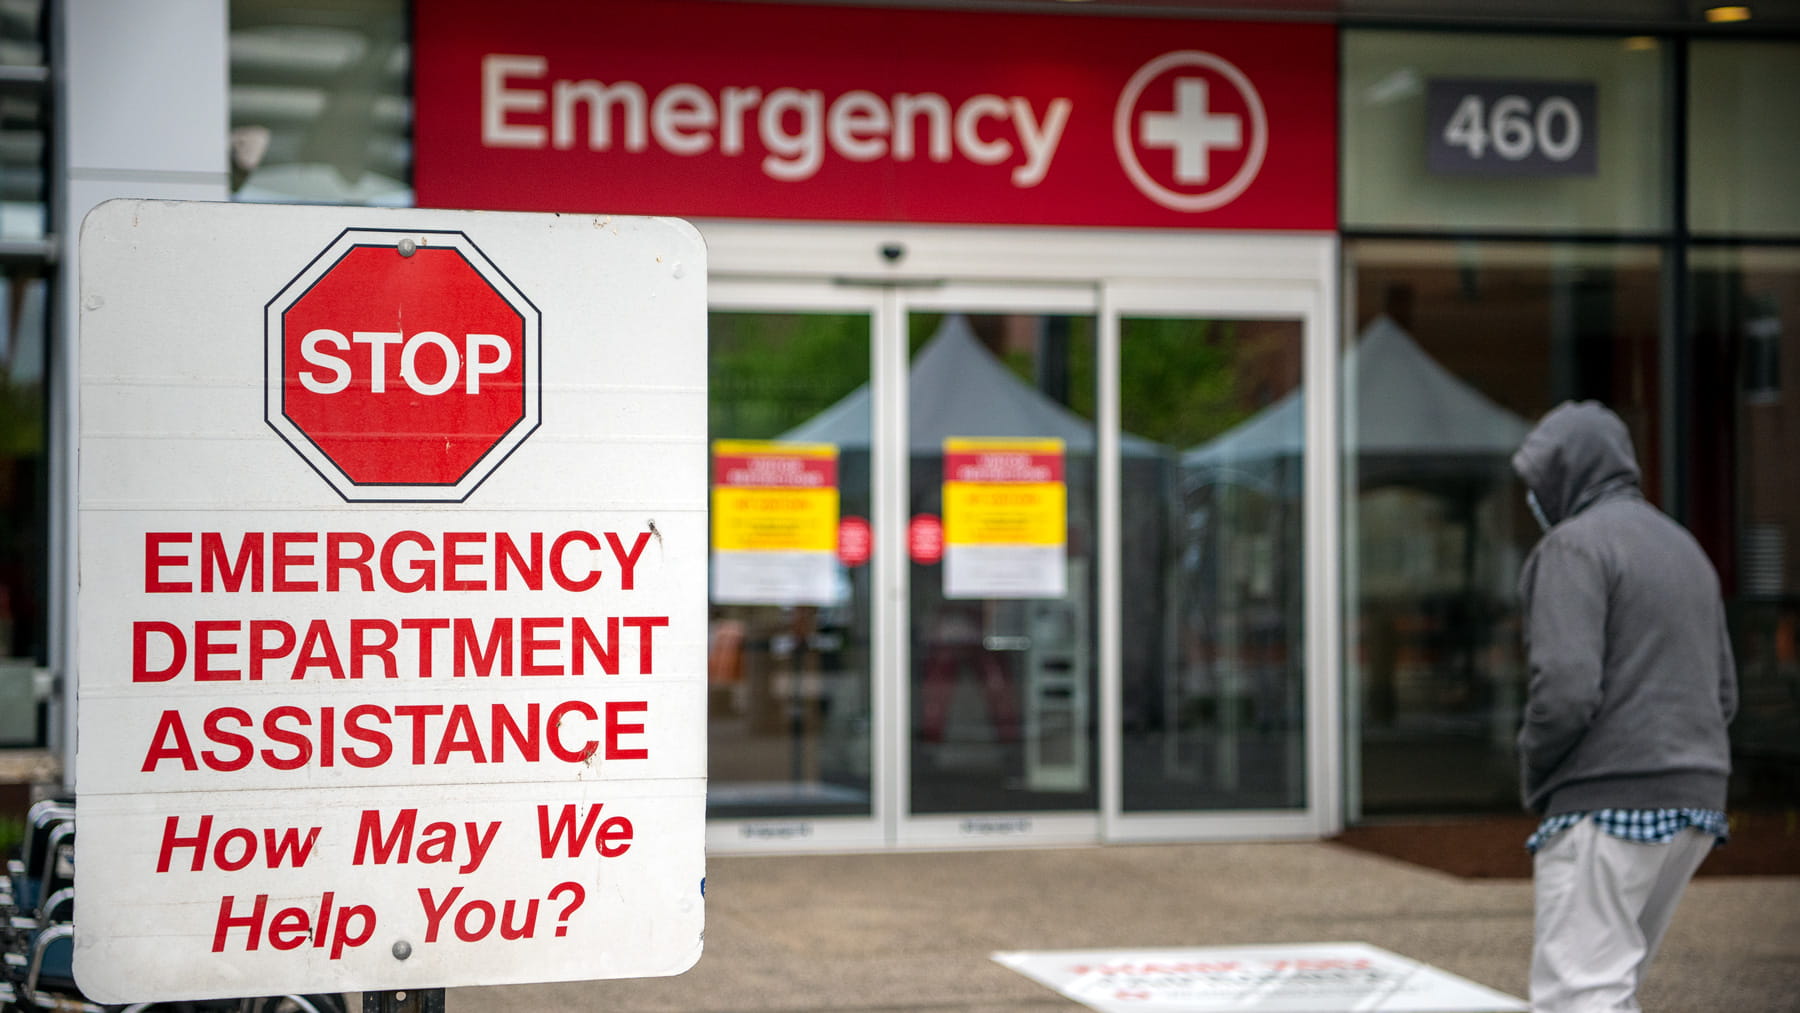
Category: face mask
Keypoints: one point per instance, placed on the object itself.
(1537, 509)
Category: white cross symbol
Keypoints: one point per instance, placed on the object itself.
(1191, 131)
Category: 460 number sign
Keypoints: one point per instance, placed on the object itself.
(1511, 128)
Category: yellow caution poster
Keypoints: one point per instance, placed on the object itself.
(774, 523)
(1006, 518)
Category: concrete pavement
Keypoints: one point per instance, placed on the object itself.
(915, 931)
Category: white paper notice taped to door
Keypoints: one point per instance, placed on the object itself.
(1006, 518)
(774, 523)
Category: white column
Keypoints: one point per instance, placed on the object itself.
(141, 112)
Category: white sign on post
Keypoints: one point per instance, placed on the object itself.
(392, 610)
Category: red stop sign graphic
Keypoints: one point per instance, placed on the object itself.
(403, 366)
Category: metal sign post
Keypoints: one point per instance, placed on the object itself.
(418, 1000)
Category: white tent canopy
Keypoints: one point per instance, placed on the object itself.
(1406, 406)
(956, 388)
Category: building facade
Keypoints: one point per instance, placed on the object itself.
(1163, 366)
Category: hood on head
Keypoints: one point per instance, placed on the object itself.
(1576, 453)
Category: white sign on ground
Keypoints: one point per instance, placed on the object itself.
(1291, 978)
(392, 599)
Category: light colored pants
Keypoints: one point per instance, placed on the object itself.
(1602, 906)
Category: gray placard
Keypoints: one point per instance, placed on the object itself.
(1504, 127)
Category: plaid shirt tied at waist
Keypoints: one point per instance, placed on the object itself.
(1644, 826)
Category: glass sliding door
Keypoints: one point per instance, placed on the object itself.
(1224, 680)
(791, 617)
(1211, 499)
(1009, 552)
(1001, 541)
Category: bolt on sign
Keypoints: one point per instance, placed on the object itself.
(392, 606)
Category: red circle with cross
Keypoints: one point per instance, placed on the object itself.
(402, 366)
(1190, 131)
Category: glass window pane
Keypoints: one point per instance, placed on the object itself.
(321, 110)
(1458, 349)
(1744, 138)
(789, 657)
(1746, 390)
(1388, 184)
(1214, 659)
(22, 33)
(1002, 466)
(24, 122)
(23, 481)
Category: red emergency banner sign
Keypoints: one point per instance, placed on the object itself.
(740, 110)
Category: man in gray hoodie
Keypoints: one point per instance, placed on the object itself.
(1623, 748)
